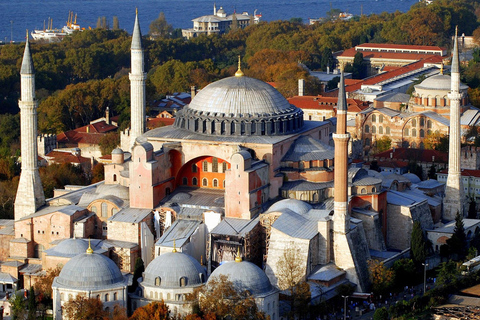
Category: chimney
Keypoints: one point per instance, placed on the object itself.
(107, 115)
(193, 91)
(301, 87)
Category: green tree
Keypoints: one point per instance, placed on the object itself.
(382, 278)
(458, 241)
(383, 144)
(418, 245)
(108, 142)
(447, 273)
(32, 305)
(137, 273)
(18, 308)
(381, 314)
(405, 272)
(159, 28)
(234, 25)
(432, 172)
(357, 68)
(472, 209)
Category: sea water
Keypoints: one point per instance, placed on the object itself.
(18, 15)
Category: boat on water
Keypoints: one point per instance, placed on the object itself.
(52, 34)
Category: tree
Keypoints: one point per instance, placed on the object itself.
(17, 306)
(381, 314)
(291, 277)
(137, 273)
(108, 142)
(234, 25)
(404, 272)
(32, 305)
(418, 245)
(457, 244)
(152, 311)
(447, 273)
(221, 299)
(382, 278)
(472, 209)
(159, 28)
(357, 68)
(44, 284)
(383, 144)
(82, 308)
(432, 172)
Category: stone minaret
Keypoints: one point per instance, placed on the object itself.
(341, 217)
(454, 192)
(30, 192)
(137, 85)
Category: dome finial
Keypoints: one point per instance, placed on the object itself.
(174, 247)
(239, 72)
(89, 250)
(238, 258)
(136, 11)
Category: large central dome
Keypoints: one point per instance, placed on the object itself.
(240, 106)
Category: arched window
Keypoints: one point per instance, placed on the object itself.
(414, 132)
(374, 190)
(204, 182)
(183, 282)
(184, 181)
(374, 129)
(214, 165)
(422, 133)
(367, 129)
(194, 167)
(367, 142)
(104, 209)
(374, 118)
(414, 145)
(205, 166)
(414, 122)
(380, 130)
(158, 281)
(422, 146)
(422, 122)
(94, 209)
(224, 183)
(405, 132)
(115, 296)
(114, 177)
(215, 183)
(380, 118)
(113, 211)
(156, 295)
(106, 296)
(387, 130)
(429, 124)
(364, 191)
(194, 181)
(224, 166)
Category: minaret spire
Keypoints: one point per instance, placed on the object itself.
(454, 192)
(137, 87)
(30, 194)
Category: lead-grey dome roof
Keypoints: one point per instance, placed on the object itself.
(438, 82)
(171, 267)
(72, 247)
(245, 276)
(240, 105)
(297, 206)
(90, 271)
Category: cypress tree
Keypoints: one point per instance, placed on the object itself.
(458, 242)
(418, 245)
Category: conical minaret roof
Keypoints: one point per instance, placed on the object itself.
(455, 59)
(137, 34)
(342, 99)
(27, 63)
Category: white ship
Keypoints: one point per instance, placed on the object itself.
(50, 34)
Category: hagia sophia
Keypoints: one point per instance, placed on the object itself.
(238, 179)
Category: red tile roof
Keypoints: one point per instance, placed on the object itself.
(368, 55)
(81, 136)
(153, 123)
(408, 154)
(325, 103)
(465, 173)
(399, 46)
(61, 157)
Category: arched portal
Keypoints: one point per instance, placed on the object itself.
(203, 172)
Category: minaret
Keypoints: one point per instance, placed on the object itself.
(137, 85)
(454, 192)
(30, 192)
(341, 216)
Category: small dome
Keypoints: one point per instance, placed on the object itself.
(240, 106)
(71, 247)
(295, 205)
(117, 151)
(412, 177)
(89, 271)
(244, 276)
(438, 82)
(170, 267)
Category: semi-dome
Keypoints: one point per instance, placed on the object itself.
(240, 105)
(168, 270)
(90, 271)
(438, 82)
(297, 206)
(245, 276)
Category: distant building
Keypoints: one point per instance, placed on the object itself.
(219, 22)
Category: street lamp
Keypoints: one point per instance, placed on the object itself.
(425, 265)
(345, 307)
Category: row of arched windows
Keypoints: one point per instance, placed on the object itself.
(422, 123)
(104, 210)
(106, 297)
(214, 166)
(374, 129)
(407, 132)
(204, 182)
(380, 118)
